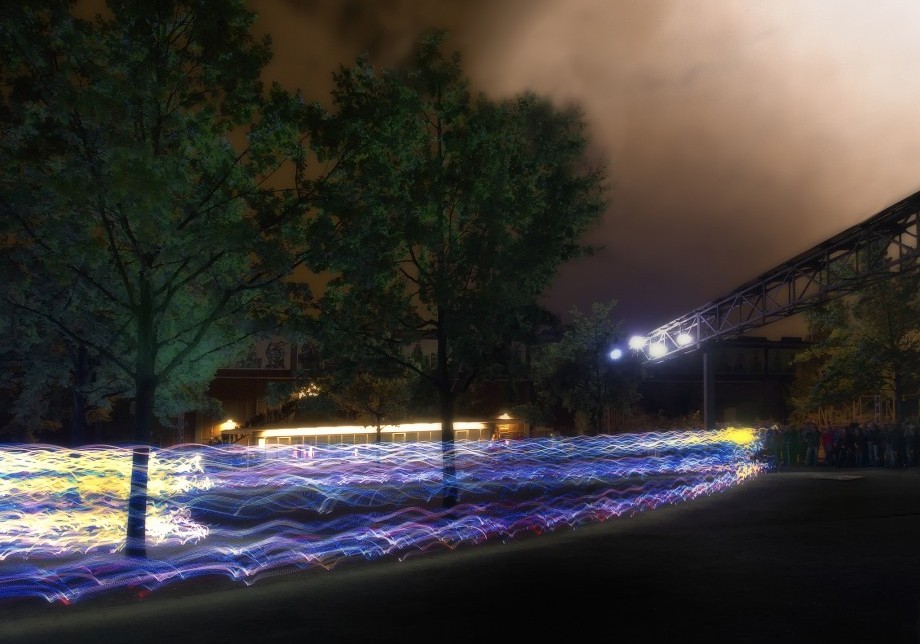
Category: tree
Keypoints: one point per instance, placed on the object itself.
(819, 385)
(578, 373)
(51, 384)
(368, 394)
(867, 343)
(445, 216)
(145, 236)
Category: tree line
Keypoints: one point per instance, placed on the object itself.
(157, 196)
(864, 344)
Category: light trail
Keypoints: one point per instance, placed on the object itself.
(248, 512)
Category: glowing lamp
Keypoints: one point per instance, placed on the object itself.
(684, 338)
(657, 349)
(310, 390)
(636, 342)
(616, 354)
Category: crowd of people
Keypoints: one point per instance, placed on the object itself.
(852, 445)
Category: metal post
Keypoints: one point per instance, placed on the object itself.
(709, 388)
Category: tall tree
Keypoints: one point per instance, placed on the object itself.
(823, 383)
(867, 343)
(133, 190)
(578, 373)
(445, 216)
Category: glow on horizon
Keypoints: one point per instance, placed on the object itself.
(333, 430)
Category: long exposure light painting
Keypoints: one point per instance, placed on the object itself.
(248, 512)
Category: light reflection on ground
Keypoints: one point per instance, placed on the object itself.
(245, 513)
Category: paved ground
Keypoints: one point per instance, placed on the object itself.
(804, 555)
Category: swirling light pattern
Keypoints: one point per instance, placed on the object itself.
(248, 512)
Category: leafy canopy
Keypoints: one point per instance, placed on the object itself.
(866, 344)
(135, 153)
(446, 215)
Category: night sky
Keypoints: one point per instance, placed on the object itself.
(737, 134)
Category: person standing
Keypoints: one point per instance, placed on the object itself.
(786, 433)
(890, 440)
(909, 435)
(861, 447)
(811, 436)
(776, 445)
(827, 442)
(873, 439)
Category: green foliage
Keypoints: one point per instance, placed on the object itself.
(867, 344)
(138, 229)
(578, 374)
(445, 215)
(378, 397)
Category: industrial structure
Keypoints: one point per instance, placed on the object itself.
(836, 267)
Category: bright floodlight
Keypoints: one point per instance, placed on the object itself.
(636, 342)
(657, 349)
(616, 354)
(684, 338)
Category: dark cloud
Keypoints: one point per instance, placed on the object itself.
(313, 37)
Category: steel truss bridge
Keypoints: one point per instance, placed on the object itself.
(878, 248)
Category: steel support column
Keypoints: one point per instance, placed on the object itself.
(709, 387)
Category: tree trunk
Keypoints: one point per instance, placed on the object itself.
(446, 400)
(899, 411)
(81, 380)
(145, 391)
(136, 545)
(137, 501)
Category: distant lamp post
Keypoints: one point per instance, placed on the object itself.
(225, 428)
(506, 426)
